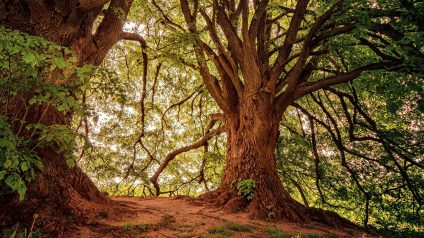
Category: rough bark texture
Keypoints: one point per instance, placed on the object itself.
(251, 143)
(60, 195)
(254, 69)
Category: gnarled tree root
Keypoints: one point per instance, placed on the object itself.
(60, 197)
(284, 208)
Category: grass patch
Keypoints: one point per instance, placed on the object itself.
(321, 236)
(128, 227)
(185, 236)
(226, 230)
(237, 227)
(144, 227)
(220, 230)
(166, 220)
(276, 233)
(18, 232)
(182, 228)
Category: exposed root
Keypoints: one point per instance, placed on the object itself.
(287, 210)
(60, 196)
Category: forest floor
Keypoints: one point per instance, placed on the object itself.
(182, 217)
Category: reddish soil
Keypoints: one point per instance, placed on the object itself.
(183, 217)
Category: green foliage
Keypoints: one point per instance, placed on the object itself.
(17, 161)
(246, 188)
(120, 165)
(18, 232)
(108, 229)
(227, 229)
(128, 226)
(320, 236)
(220, 231)
(143, 227)
(37, 78)
(400, 233)
(373, 164)
(276, 233)
(271, 214)
(115, 126)
(167, 219)
(237, 227)
(388, 107)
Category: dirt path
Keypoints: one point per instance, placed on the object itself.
(180, 217)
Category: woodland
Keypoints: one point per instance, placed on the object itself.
(303, 112)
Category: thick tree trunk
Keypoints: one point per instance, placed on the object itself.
(251, 143)
(59, 195)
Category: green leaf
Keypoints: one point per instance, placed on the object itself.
(24, 166)
(29, 58)
(73, 59)
(38, 164)
(32, 101)
(21, 189)
(60, 63)
(70, 163)
(4, 143)
(7, 164)
(2, 174)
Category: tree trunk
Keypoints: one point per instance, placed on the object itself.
(251, 141)
(59, 195)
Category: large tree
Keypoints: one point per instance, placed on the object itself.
(256, 58)
(89, 29)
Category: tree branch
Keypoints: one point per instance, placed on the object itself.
(308, 87)
(171, 156)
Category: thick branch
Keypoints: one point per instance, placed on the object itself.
(307, 87)
(284, 53)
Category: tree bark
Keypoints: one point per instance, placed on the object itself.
(60, 195)
(250, 154)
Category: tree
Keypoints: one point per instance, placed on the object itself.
(256, 58)
(89, 29)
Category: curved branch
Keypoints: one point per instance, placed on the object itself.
(109, 31)
(171, 156)
(143, 45)
(198, 91)
(308, 87)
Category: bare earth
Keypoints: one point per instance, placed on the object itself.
(181, 217)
